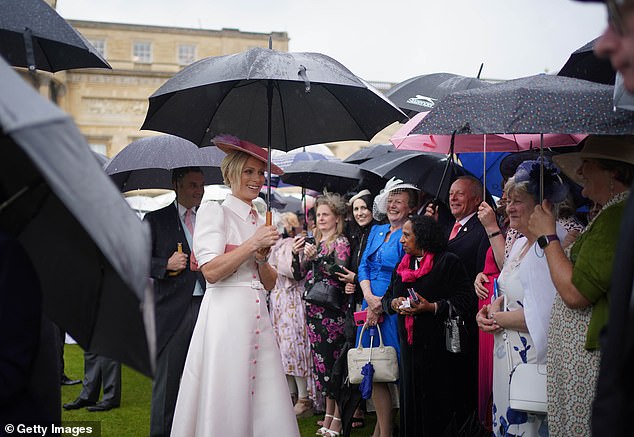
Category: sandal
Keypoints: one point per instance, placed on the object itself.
(330, 432)
(323, 430)
(358, 422)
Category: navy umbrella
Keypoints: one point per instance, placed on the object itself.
(422, 93)
(90, 251)
(35, 36)
(148, 162)
(536, 104)
(365, 387)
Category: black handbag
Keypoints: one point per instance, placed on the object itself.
(325, 295)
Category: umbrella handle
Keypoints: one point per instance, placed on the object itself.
(269, 218)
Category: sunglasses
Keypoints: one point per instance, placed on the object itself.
(615, 18)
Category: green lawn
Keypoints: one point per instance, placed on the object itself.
(133, 418)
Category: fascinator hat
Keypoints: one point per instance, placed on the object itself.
(358, 196)
(228, 143)
(393, 186)
(529, 172)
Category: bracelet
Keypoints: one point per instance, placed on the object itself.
(494, 234)
(435, 308)
(260, 262)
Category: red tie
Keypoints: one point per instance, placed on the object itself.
(454, 230)
(193, 264)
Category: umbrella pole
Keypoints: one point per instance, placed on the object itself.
(484, 171)
(449, 162)
(269, 96)
(541, 168)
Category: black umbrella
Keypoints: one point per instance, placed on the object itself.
(282, 100)
(431, 172)
(584, 64)
(35, 36)
(148, 162)
(422, 93)
(334, 176)
(536, 104)
(312, 99)
(90, 251)
(366, 153)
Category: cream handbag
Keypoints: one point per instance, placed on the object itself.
(383, 359)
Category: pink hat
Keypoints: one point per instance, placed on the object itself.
(227, 143)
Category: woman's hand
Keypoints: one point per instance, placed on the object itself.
(542, 221)
(310, 251)
(480, 290)
(349, 288)
(262, 254)
(264, 237)
(487, 217)
(298, 244)
(374, 304)
(485, 322)
(347, 277)
(373, 317)
(422, 306)
(396, 303)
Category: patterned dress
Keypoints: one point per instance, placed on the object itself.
(288, 315)
(572, 369)
(325, 326)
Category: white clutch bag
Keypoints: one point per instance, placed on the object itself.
(383, 359)
(528, 388)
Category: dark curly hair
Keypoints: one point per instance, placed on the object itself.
(430, 236)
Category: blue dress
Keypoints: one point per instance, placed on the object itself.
(377, 264)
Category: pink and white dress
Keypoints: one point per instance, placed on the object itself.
(233, 383)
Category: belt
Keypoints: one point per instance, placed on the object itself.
(257, 285)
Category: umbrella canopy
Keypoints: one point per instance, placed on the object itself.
(584, 64)
(148, 162)
(334, 176)
(404, 139)
(90, 251)
(432, 173)
(366, 153)
(422, 93)
(534, 104)
(34, 35)
(312, 99)
(287, 159)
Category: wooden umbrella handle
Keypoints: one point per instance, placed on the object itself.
(269, 218)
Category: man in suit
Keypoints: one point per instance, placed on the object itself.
(178, 291)
(98, 371)
(469, 241)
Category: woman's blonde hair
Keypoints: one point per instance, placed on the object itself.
(232, 166)
(338, 208)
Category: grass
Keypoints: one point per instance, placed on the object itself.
(133, 418)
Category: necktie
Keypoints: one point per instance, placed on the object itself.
(193, 264)
(454, 230)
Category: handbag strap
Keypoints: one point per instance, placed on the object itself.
(381, 345)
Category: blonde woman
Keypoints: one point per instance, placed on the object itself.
(315, 261)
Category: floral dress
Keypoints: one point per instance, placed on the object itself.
(510, 349)
(325, 326)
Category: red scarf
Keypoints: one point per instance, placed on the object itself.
(409, 275)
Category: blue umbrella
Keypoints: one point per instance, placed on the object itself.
(368, 370)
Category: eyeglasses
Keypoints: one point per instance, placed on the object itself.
(615, 17)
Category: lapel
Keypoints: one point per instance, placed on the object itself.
(465, 229)
(378, 235)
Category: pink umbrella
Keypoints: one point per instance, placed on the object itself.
(475, 143)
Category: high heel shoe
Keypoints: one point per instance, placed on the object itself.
(330, 432)
(323, 430)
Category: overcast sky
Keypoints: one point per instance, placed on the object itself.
(388, 40)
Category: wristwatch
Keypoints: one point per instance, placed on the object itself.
(545, 240)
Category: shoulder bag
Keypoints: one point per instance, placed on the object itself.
(324, 294)
(383, 359)
(455, 331)
(527, 390)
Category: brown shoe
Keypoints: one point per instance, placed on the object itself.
(303, 408)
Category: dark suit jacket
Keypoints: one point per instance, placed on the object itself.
(172, 294)
(613, 407)
(470, 244)
(29, 364)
